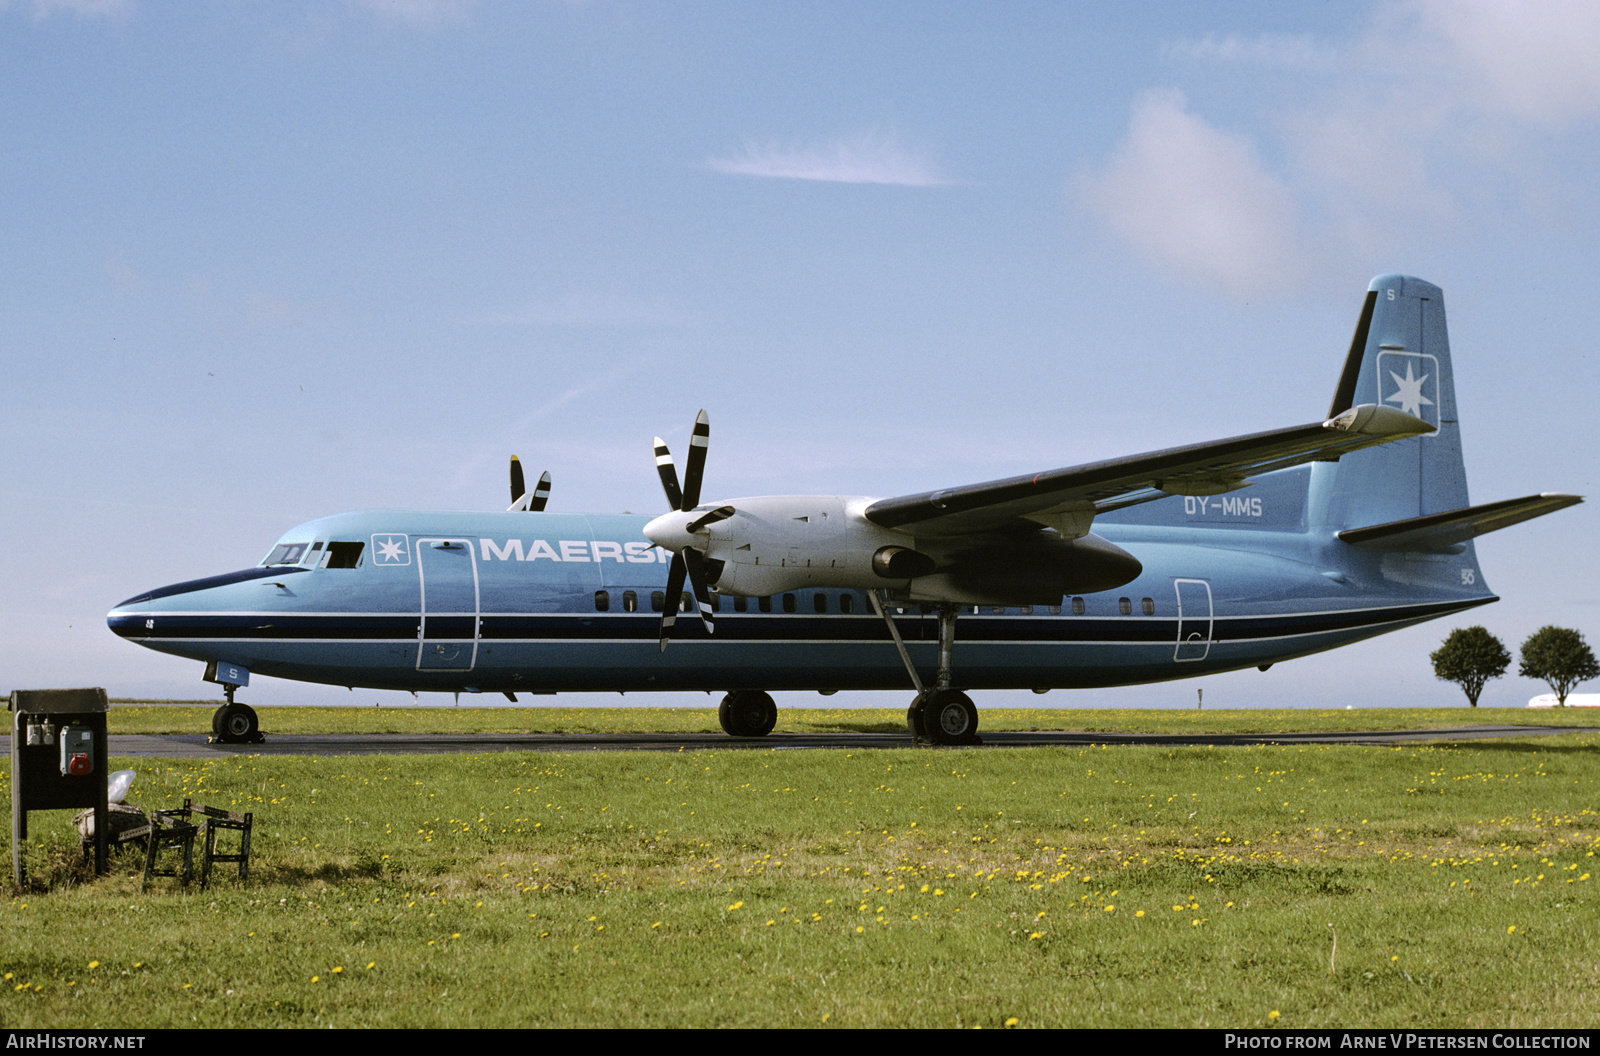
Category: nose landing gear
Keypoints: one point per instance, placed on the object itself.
(235, 723)
(747, 713)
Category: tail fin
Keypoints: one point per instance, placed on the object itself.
(1399, 357)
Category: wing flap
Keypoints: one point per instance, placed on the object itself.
(1439, 531)
(1026, 503)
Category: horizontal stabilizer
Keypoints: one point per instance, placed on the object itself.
(1439, 531)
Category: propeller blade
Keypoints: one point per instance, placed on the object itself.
(517, 486)
(541, 493)
(669, 607)
(669, 475)
(721, 513)
(694, 468)
(694, 560)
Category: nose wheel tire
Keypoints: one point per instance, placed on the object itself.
(747, 713)
(235, 724)
(943, 716)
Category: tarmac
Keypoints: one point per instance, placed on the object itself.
(198, 746)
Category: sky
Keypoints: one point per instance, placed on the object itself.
(263, 262)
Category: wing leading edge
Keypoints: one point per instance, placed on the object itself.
(1068, 499)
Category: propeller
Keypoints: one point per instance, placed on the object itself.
(520, 499)
(688, 560)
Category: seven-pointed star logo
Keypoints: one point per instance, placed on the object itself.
(391, 549)
(1409, 394)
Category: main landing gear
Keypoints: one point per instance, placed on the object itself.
(234, 723)
(942, 714)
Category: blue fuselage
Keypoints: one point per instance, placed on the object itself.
(539, 602)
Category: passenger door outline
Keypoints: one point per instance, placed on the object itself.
(1194, 619)
(447, 631)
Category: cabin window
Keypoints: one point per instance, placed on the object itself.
(764, 603)
(1077, 606)
(847, 603)
(345, 555)
(630, 601)
(658, 601)
(1055, 610)
(997, 609)
(741, 604)
(790, 604)
(602, 601)
(819, 602)
(1149, 606)
(1125, 606)
(685, 602)
(1026, 610)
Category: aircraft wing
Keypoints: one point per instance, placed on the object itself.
(1067, 499)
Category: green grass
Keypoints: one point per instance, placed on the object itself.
(195, 717)
(1127, 886)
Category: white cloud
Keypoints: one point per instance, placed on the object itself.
(80, 8)
(1539, 61)
(1439, 122)
(867, 159)
(417, 12)
(1300, 51)
(1196, 199)
(590, 308)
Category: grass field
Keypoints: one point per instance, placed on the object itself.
(1443, 885)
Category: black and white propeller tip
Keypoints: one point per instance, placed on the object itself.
(678, 533)
(520, 498)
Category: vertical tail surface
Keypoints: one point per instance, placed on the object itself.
(1399, 357)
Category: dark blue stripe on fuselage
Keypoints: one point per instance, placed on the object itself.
(756, 627)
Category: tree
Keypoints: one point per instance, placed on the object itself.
(1561, 658)
(1469, 657)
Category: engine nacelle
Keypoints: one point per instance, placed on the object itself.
(1034, 569)
(777, 543)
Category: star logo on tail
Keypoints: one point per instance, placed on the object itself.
(1407, 385)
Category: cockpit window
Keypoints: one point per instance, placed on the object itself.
(344, 555)
(286, 554)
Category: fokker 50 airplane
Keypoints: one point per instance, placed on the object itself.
(1213, 557)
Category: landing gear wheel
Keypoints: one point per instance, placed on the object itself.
(943, 716)
(747, 713)
(235, 724)
(914, 718)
